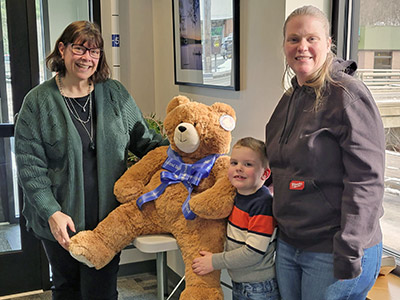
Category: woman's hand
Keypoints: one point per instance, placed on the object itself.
(59, 224)
(203, 265)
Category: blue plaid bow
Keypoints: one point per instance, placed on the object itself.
(189, 175)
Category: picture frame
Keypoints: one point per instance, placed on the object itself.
(206, 43)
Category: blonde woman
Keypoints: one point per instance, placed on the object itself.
(326, 146)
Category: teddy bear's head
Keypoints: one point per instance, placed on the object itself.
(196, 130)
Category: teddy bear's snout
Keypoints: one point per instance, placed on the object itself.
(186, 137)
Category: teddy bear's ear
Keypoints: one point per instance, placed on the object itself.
(176, 101)
(224, 108)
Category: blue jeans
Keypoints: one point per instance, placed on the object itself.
(306, 275)
(265, 290)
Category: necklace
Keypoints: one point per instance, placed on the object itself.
(74, 113)
(83, 107)
(90, 134)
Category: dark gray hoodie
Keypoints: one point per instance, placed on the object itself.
(328, 169)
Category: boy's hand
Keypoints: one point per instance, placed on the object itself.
(203, 265)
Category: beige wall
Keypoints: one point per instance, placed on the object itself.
(396, 60)
(261, 60)
(136, 50)
(366, 59)
(147, 68)
(136, 28)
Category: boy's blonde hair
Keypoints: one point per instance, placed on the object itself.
(255, 145)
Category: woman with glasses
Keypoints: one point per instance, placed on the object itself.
(71, 141)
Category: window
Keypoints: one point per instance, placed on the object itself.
(367, 31)
(382, 59)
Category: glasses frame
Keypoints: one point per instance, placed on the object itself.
(86, 49)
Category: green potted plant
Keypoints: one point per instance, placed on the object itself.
(155, 124)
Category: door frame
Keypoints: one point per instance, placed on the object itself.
(26, 269)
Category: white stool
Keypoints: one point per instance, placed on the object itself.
(159, 244)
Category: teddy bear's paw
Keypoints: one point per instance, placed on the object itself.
(82, 259)
(202, 293)
(128, 193)
(87, 248)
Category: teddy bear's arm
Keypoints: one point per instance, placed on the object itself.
(131, 184)
(215, 202)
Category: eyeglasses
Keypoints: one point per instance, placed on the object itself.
(81, 50)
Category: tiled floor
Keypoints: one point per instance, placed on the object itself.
(10, 238)
(135, 287)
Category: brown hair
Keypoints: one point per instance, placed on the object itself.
(322, 75)
(82, 31)
(255, 145)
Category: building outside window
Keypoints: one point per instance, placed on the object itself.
(378, 59)
(383, 60)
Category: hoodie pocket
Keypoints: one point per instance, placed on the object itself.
(302, 210)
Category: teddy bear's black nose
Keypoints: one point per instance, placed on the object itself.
(182, 128)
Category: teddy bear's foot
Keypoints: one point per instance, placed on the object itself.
(82, 259)
(202, 293)
(87, 248)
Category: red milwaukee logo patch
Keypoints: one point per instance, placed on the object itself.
(296, 185)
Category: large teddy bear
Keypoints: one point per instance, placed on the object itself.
(182, 189)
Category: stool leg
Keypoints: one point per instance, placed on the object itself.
(161, 258)
(177, 286)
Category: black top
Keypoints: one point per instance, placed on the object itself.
(89, 158)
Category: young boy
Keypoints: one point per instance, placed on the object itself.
(250, 244)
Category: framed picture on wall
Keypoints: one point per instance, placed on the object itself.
(206, 43)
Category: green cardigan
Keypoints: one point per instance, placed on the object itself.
(49, 152)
